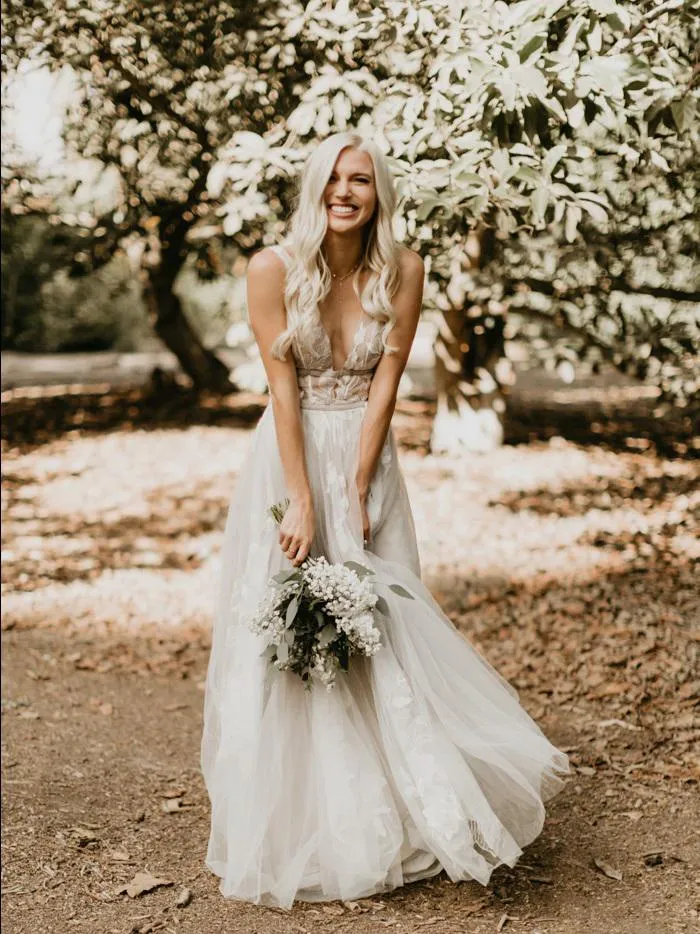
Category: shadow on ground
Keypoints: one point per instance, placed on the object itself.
(35, 416)
(105, 653)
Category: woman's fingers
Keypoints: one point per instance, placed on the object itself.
(302, 554)
(295, 546)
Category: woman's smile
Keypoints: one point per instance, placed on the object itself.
(344, 210)
(350, 195)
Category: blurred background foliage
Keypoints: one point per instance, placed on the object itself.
(543, 149)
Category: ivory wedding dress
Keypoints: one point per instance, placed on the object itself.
(421, 758)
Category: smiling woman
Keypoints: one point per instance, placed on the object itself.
(351, 195)
(421, 759)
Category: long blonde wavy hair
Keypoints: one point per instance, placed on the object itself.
(308, 278)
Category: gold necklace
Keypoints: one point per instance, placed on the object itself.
(340, 279)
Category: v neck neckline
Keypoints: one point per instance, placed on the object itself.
(286, 258)
(329, 343)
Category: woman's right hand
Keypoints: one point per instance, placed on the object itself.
(297, 530)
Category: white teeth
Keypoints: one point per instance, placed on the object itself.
(342, 208)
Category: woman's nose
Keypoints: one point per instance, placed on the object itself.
(342, 188)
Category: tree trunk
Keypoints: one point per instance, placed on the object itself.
(170, 323)
(470, 369)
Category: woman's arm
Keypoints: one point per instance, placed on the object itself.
(268, 318)
(382, 395)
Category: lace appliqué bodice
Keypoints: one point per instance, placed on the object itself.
(322, 386)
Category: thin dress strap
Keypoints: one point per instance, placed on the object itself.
(282, 253)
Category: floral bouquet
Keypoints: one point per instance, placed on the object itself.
(318, 615)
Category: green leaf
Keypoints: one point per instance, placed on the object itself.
(527, 174)
(291, 611)
(576, 114)
(400, 591)
(284, 577)
(359, 569)
(508, 89)
(595, 38)
(684, 112)
(597, 212)
(659, 161)
(553, 157)
(573, 216)
(531, 82)
(593, 196)
(567, 46)
(555, 108)
(283, 653)
(531, 46)
(539, 201)
(382, 606)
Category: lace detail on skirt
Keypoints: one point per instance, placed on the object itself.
(332, 389)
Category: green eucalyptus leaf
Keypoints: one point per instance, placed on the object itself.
(400, 591)
(359, 569)
(292, 610)
(382, 606)
(283, 577)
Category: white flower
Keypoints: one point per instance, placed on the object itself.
(346, 602)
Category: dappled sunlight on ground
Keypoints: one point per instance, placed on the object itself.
(570, 567)
(120, 531)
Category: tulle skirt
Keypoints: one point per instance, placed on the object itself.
(420, 759)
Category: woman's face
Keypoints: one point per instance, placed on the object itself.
(350, 196)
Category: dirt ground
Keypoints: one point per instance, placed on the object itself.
(568, 563)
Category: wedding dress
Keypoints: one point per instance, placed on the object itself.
(421, 758)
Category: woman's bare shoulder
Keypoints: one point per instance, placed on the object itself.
(266, 263)
(410, 263)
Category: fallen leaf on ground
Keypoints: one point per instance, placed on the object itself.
(119, 856)
(621, 723)
(142, 882)
(504, 920)
(607, 869)
(83, 836)
(36, 676)
(472, 909)
(184, 898)
(171, 805)
(106, 709)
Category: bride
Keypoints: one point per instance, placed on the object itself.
(420, 759)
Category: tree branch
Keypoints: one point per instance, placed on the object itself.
(650, 17)
(617, 284)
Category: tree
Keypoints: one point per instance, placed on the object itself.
(510, 128)
(518, 128)
(165, 86)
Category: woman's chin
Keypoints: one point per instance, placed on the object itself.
(343, 225)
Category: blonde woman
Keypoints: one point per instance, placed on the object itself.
(421, 758)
